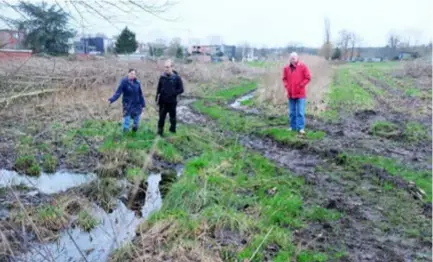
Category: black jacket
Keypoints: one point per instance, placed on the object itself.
(169, 87)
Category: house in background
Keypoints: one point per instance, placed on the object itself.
(90, 45)
(11, 39)
(11, 45)
(214, 52)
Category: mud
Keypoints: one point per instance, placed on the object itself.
(357, 232)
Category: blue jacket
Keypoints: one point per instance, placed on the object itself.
(132, 99)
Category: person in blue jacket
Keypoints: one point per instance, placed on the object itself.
(132, 100)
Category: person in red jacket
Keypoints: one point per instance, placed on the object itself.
(296, 76)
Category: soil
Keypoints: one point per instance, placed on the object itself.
(367, 230)
(357, 232)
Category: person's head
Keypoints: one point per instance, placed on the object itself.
(131, 74)
(293, 58)
(168, 67)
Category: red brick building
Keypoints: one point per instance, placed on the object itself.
(11, 39)
(14, 54)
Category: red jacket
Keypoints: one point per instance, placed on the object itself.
(296, 81)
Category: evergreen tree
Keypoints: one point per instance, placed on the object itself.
(126, 42)
(46, 28)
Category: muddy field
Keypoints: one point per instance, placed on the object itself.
(232, 185)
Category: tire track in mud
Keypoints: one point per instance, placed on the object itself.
(399, 100)
(356, 232)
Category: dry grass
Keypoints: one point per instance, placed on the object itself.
(150, 245)
(18, 78)
(418, 68)
(271, 93)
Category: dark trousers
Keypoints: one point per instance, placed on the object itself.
(165, 108)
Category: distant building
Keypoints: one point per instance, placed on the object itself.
(214, 51)
(11, 39)
(98, 45)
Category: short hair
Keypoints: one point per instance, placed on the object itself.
(130, 70)
(293, 54)
(168, 61)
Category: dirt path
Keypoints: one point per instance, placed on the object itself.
(363, 232)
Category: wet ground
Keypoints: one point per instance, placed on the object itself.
(114, 227)
(384, 216)
(365, 232)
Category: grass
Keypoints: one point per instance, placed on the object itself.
(234, 91)
(416, 132)
(27, 164)
(422, 178)
(384, 129)
(237, 122)
(86, 221)
(260, 64)
(248, 102)
(239, 192)
(345, 95)
(49, 163)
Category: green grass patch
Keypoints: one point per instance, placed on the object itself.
(321, 214)
(240, 192)
(261, 64)
(248, 102)
(235, 121)
(416, 132)
(346, 95)
(49, 163)
(422, 178)
(384, 129)
(235, 91)
(133, 174)
(28, 165)
(86, 221)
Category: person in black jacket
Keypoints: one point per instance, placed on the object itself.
(169, 87)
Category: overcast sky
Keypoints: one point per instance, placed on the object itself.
(275, 22)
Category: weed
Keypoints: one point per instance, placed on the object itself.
(321, 214)
(86, 221)
(385, 129)
(346, 95)
(28, 165)
(422, 178)
(124, 253)
(49, 163)
(308, 256)
(416, 132)
(135, 173)
(227, 94)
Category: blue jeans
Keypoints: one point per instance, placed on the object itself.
(127, 119)
(297, 113)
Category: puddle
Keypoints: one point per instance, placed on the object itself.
(237, 104)
(45, 183)
(114, 229)
(186, 115)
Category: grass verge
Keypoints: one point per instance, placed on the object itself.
(231, 204)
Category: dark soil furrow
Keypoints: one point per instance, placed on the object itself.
(356, 232)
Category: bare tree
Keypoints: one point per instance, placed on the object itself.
(355, 41)
(344, 42)
(394, 42)
(326, 49)
(106, 10)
